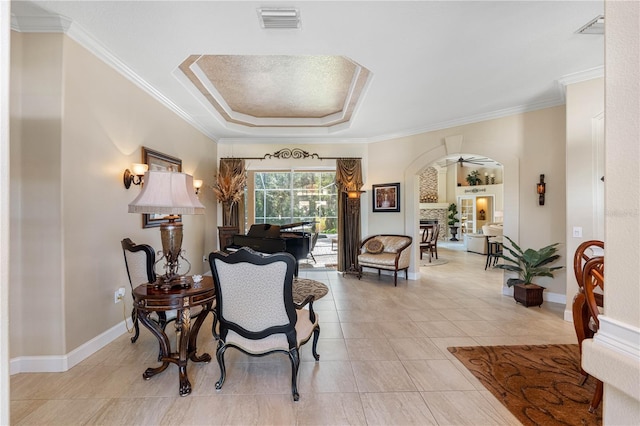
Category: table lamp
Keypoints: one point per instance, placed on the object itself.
(171, 194)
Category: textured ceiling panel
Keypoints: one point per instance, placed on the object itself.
(288, 91)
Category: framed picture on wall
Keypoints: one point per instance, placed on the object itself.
(386, 197)
(158, 161)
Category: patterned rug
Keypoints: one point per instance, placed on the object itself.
(434, 262)
(540, 385)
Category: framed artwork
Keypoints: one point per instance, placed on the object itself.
(386, 197)
(158, 161)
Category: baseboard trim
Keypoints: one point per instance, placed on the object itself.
(619, 336)
(613, 356)
(60, 363)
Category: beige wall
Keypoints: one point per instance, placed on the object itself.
(78, 124)
(36, 213)
(526, 144)
(5, 19)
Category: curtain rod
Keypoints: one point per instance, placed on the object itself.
(295, 153)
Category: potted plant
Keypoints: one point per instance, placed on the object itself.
(529, 264)
(473, 178)
(452, 220)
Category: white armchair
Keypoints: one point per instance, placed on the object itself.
(256, 310)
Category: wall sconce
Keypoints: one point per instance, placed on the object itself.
(541, 189)
(134, 176)
(354, 194)
(197, 184)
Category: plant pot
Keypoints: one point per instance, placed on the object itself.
(454, 232)
(528, 294)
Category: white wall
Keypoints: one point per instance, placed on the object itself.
(585, 104)
(613, 355)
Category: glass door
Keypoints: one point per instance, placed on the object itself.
(467, 215)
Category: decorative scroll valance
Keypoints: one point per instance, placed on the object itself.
(286, 153)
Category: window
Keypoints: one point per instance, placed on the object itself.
(290, 197)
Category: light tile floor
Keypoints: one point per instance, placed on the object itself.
(383, 360)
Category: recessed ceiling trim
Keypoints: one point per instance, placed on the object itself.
(279, 18)
(198, 70)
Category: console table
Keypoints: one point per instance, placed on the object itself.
(149, 299)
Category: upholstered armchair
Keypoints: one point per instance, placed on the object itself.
(385, 251)
(256, 311)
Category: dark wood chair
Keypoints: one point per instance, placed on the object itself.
(494, 250)
(581, 315)
(139, 260)
(256, 310)
(314, 240)
(593, 285)
(430, 241)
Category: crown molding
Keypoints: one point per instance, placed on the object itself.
(298, 135)
(578, 77)
(57, 24)
(549, 103)
(40, 24)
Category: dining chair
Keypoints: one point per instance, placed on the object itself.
(139, 260)
(256, 311)
(582, 320)
(312, 245)
(593, 285)
(430, 241)
(494, 250)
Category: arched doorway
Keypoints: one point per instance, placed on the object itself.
(473, 183)
(510, 170)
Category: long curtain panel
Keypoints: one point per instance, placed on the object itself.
(348, 178)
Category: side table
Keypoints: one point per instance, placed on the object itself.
(148, 299)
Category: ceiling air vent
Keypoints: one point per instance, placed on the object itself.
(595, 26)
(279, 18)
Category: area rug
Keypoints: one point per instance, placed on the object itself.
(540, 384)
(434, 262)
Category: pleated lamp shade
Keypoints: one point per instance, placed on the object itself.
(168, 193)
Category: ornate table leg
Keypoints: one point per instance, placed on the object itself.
(193, 336)
(165, 348)
(183, 323)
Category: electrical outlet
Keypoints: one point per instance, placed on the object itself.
(118, 295)
(204, 259)
(577, 232)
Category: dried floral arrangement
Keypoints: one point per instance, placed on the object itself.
(229, 188)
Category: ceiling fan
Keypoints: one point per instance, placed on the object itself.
(479, 161)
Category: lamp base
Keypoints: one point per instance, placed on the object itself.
(171, 236)
(181, 281)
